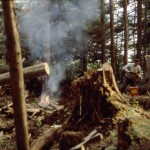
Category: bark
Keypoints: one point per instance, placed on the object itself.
(103, 29)
(29, 72)
(124, 134)
(113, 52)
(16, 74)
(134, 31)
(139, 28)
(145, 41)
(125, 32)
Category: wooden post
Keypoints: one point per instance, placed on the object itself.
(16, 74)
(124, 133)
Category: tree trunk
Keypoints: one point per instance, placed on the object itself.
(139, 29)
(125, 32)
(84, 54)
(16, 74)
(147, 73)
(103, 57)
(134, 29)
(29, 72)
(145, 37)
(112, 49)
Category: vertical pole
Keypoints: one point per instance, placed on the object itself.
(16, 74)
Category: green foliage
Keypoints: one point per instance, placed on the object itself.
(38, 123)
(72, 47)
(2, 37)
(73, 69)
(94, 65)
(2, 62)
(94, 26)
(3, 66)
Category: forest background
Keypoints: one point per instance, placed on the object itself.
(73, 36)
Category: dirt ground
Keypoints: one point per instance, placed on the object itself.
(42, 117)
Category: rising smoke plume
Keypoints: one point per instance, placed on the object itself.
(46, 23)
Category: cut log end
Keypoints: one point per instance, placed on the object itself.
(47, 69)
(29, 72)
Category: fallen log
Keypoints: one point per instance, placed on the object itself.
(29, 72)
(44, 142)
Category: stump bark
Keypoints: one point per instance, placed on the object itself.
(124, 134)
(96, 95)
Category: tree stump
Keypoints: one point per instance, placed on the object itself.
(124, 134)
(96, 95)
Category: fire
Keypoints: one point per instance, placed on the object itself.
(45, 99)
(45, 102)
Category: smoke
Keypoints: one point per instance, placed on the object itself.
(46, 24)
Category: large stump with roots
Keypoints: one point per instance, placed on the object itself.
(96, 94)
